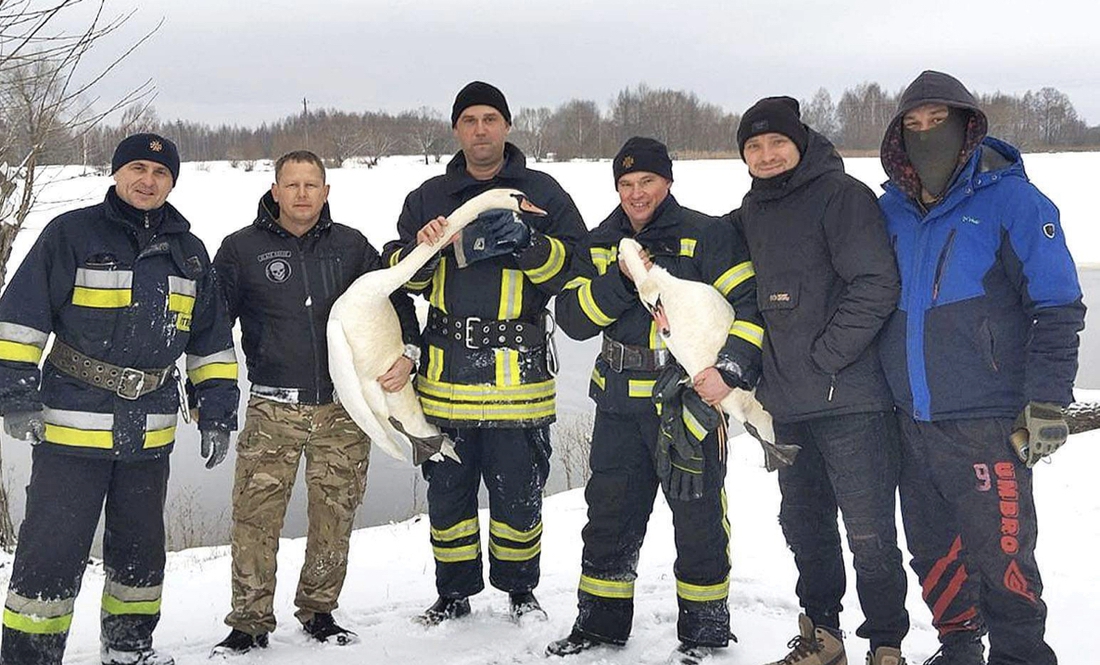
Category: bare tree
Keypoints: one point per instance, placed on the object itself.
(530, 131)
(820, 114)
(43, 104)
(427, 131)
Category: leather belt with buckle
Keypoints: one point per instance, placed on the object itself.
(477, 333)
(126, 382)
(621, 357)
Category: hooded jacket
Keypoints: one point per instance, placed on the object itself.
(131, 288)
(826, 283)
(600, 299)
(282, 288)
(990, 305)
(489, 386)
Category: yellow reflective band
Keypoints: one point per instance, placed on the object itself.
(439, 281)
(655, 339)
(80, 438)
(213, 371)
(726, 521)
(178, 302)
(461, 530)
(641, 387)
(703, 593)
(733, 277)
(114, 606)
(590, 308)
(395, 257)
(502, 530)
(687, 246)
(750, 332)
(554, 263)
(435, 364)
(495, 412)
(34, 625)
(159, 437)
(598, 379)
(456, 554)
(511, 294)
(484, 392)
(101, 298)
(512, 554)
(24, 353)
(507, 367)
(694, 426)
(606, 588)
(602, 257)
(576, 282)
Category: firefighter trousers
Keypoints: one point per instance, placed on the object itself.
(969, 517)
(620, 497)
(337, 452)
(64, 499)
(514, 463)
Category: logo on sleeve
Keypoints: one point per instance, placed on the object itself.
(1048, 230)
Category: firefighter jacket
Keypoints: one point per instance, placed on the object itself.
(599, 298)
(462, 380)
(282, 288)
(131, 288)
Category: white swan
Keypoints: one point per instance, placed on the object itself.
(694, 320)
(364, 341)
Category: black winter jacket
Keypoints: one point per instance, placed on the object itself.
(282, 288)
(490, 386)
(826, 283)
(133, 289)
(690, 245)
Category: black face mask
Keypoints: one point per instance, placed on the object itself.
(934, 153)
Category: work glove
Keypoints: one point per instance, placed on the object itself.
(214, 447)
(25, 426)
(678, 457)
(736, 375)
(1039, 430)
(492, 233)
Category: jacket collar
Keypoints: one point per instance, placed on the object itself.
(165, 218)
(267, 216)
(459, 180)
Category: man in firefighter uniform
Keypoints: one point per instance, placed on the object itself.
(280, 276)
(628, 458)
(485, 375)
(125, 288)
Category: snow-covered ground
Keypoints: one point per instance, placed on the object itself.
(391, 572)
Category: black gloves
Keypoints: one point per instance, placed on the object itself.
(214, 447)
(25, 426)
(493, 233)
(685, 422)
(1039, 430)
(735, 375)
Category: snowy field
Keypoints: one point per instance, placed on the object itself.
(391, 572)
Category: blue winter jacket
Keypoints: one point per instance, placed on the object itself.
(990, 302)
(130, 292)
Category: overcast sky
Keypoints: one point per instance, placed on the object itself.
(244, 61)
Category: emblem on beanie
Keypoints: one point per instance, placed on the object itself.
(628, 161)
(1048, 230)
(156, 146)
(759, 125)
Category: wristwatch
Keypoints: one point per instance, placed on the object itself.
(412, 352)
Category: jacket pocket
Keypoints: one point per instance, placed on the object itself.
(988, 345)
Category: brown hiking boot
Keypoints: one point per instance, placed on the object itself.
(813, 646)
(885, 656)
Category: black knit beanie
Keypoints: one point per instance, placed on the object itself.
(642, 154)
(150, 147)
(479, 92)
(772, 114)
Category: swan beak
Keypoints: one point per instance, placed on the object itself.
(526, 206)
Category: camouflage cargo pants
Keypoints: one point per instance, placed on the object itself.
(337, 453)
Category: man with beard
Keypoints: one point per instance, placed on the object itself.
(981, 357)
(826, 283)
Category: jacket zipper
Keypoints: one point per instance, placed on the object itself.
(312, 327)
(832, 388)
(941, 265)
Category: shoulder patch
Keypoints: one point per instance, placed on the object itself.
(1049, 230)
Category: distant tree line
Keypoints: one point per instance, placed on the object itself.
(577, 129)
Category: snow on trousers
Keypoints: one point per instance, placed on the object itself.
(64, 499)
(969, 517)
(337, 452)
(514, 463)
(848, 462)
(620, 497)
